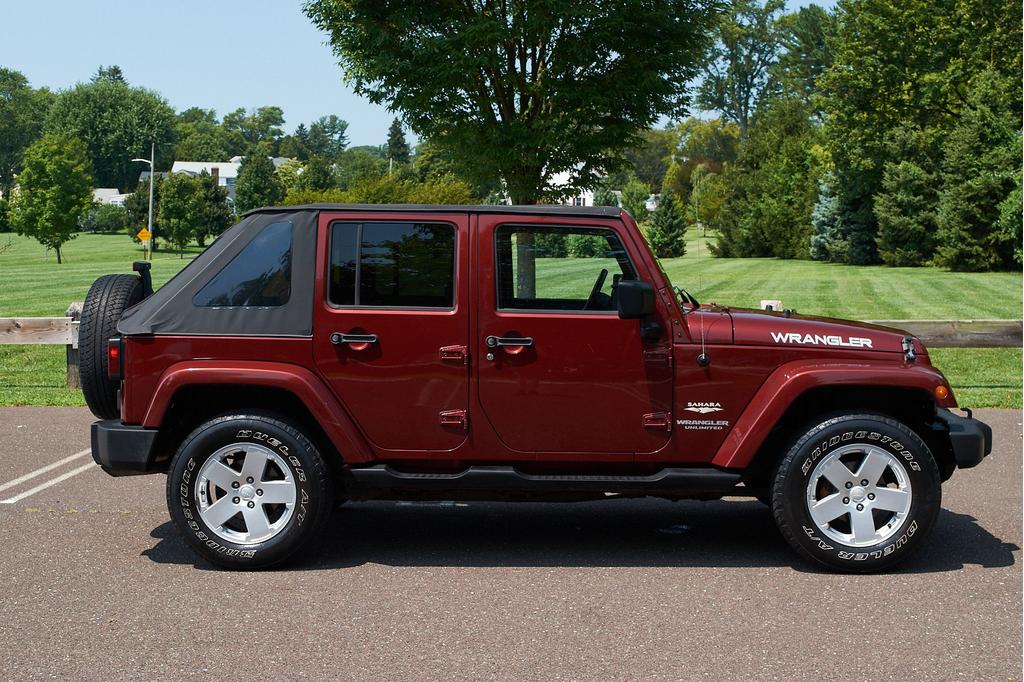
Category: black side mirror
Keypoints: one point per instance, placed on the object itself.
(635, 298)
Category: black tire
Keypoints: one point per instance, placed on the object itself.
(313, 497)
(108, 298)
(834, 544)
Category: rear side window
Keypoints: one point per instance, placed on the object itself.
(393, 265)
(259, 276)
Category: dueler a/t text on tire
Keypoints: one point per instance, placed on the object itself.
(108, 298)
(248, 490)
(857, 492)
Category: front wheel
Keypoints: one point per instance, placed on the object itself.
(857, 493)
(248, 490)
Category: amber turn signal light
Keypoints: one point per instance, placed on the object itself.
(941, 392)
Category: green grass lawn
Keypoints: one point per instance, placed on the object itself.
(32, 284)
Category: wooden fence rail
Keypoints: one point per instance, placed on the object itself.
(933, 333)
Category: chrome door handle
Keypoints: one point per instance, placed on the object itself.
(496, 341)
(337, 338)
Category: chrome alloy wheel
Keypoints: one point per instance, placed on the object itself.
(859, 495)
(245, 493)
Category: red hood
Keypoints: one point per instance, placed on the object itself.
(764, 328)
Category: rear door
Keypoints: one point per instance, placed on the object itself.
(562, 374)
(392, 326)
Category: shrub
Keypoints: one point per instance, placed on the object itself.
(105, 218)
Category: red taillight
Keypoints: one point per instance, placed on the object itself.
(115, 358)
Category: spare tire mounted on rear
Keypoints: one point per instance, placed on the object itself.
(107, 300)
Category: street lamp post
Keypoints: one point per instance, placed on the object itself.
(152, 172)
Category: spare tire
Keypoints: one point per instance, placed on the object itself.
(108, 298)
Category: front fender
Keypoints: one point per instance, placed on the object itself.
(297, 380)
(790, 381)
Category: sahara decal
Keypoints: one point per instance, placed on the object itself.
(821, 340)
(703, 408)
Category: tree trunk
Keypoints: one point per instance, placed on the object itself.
(57, 249)
(526, 256)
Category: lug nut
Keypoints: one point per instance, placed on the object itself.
(235, 500)
(235, 484)
(248, 479)
(251, 505)
(860, 507)
(849, 484)
(259, 491)
(864, 482)
(846, 500)
(871, 496)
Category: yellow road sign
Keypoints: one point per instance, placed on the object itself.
(144, 234)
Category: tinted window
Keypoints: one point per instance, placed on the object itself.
(260, 275)
(401, 265)
(559, 268)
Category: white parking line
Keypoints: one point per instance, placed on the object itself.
(51, 482)
(42, 470)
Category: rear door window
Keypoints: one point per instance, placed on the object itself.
(393, 265)
(259, 276)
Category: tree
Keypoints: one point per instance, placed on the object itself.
(706, 198)
(708, 143)
(522, 91)
(104, 218)
(317, 174)
(178, 209)
(117, 123)
(261, 126)
(327, 137)
(747, 44)
(54, 191)
(905, 209)
(109, 74)
(650, 157)
(980, 168)
(200, 137)
(806, 54)
(257, 183)
(666, 230)
(357, 164)
(826, 222)
(22, 113)
(212, 213)
(398, 148)
(136, 204)
(634, 198)
(604, 196)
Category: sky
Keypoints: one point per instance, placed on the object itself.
(214, 54)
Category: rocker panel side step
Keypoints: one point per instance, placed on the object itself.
(505, 479)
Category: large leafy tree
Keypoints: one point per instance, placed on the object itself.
(22, 113)
(327, 137)
(806, 54)
(257, 183)
(262, 126)
(201, 137)
(523, 89)
(746, 47)
(54, 191)
(116, 122)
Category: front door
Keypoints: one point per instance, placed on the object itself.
(393, 326)
(559, 372)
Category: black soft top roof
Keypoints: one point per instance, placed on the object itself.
(534, 209)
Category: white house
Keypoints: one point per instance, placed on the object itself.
(108, 195)
(226, 172)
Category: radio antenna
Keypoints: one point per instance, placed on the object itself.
(703, 360)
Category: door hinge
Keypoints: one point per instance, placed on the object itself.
(455, 418)
(658, 420)
(455, 354)
(658, 356)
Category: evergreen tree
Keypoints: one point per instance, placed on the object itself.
(257, 184)
(906, 215)
(398, 148)
(825, 222)
(604, 196)
(980, 168)
(667, 228)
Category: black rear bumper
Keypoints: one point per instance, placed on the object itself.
(123, 450)
(970, 439)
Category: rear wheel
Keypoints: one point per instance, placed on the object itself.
(857, 492)
(248, 490)
(108, 298)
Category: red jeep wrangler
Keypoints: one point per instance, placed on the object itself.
(317, 354)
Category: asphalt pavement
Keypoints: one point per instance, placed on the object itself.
(96, 583)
